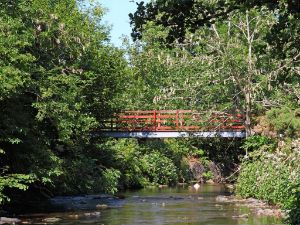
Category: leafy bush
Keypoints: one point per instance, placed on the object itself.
(93, 177)
(150, 162)
(176, 150)
(109, 180)
(127, 159)
(185, 174)
(285, 120)
(259, 142)
(265, 179)
(274, 177)
(207, 175)
(18, 181)
(171, 148)
(159, 169)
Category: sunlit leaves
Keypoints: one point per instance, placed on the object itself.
(59, 78)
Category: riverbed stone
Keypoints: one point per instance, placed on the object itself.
(258, 207)
(92, 214)
(52, 220)
(101, 206)
(74, 216)
(229, 186)
(7, 220)
(269, 212)
(210, 181)
(222, 198)
(241, 216)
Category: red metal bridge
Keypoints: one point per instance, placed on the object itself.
(173, 123)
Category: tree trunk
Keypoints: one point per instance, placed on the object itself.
(248, 88)
(248, 112)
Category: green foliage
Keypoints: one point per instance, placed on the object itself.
(54, 93)
(207, 175)
(127, 158)
(94, 178)
(273, 177)
(181, 17)
(200, 152)
(159, 169)
(109, 181)
(259, 142)
(175, 149)
(187, 15)
(17, 181)
(150, 162)
(60, 79)
(171, 148)
(285, 120)
(265, 180)
(15, 61)
(185, 174)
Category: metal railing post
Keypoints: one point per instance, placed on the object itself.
(177, 120)
(154, 120)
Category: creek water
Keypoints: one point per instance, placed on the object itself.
(181, 205)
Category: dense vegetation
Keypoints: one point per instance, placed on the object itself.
(60, 78)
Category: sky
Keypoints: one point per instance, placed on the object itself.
(117, 16)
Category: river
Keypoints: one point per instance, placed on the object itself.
(181, 205)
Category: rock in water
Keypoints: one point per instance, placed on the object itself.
(92, 214)
(51, 220)
(196, 186)
(74, 216)
(210, 181)
(241, 216)
(222, 198)
(101, 206)
(6, 220)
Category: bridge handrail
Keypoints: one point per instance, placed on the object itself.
(173, 120)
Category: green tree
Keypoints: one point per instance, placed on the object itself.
(216, 68)
(60, 78)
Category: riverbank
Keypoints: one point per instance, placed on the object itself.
(257, 207)
(272, 173)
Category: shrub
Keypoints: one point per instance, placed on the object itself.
(274, 177)
(17, 181)
(285, 120)
(159, 169)
(185, 174)
(109, 180)
(259, 142)
(177, 150)
(127, 159)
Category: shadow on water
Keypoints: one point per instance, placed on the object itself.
(181, 205)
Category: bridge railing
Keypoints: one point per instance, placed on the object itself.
(173, 120)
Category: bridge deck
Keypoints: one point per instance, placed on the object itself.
(173, 134)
